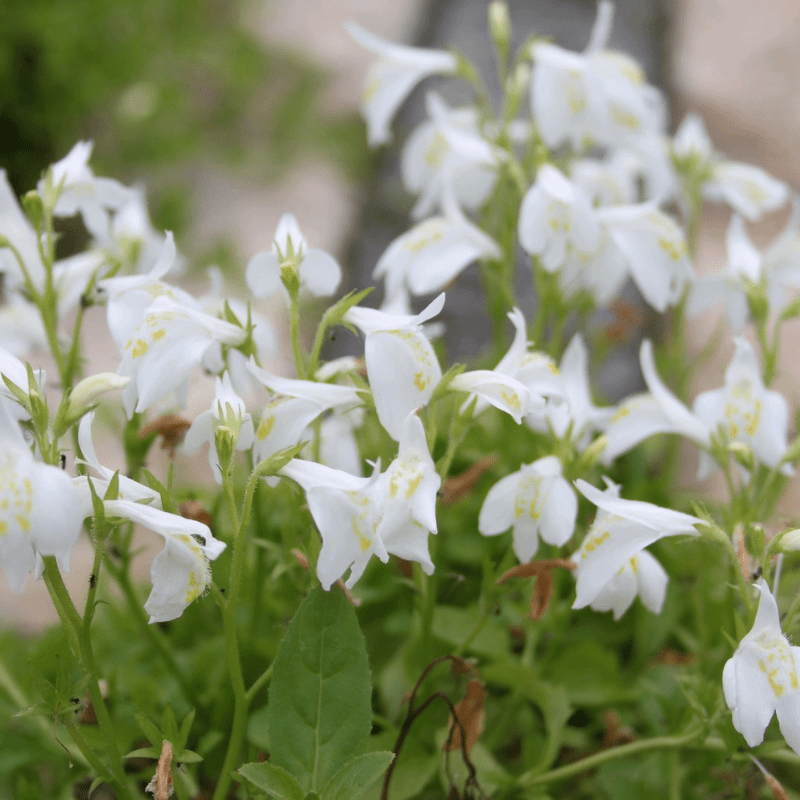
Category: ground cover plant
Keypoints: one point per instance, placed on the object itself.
(549, 610)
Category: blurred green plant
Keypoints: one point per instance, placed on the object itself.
(159, 82)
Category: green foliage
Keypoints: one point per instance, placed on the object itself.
(319, 698)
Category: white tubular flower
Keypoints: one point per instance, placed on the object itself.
(169, 342)
(294, 406)
(129, 489)
(654, 250)
(347, 513)
(760, 679)
(610, 181)
(744, 410)
(748, 190)
(21, 328)
(401, 365)
(180, 573)
(620, 531)
(408, 489)
(393, 77)
(227, 409)
(130, 296)
(599, 96)
(449, 145)
(78, 190)
(17, 229)
(730, 285)
(41, 512)
(641, 575)
(556, 220)
(645, 415)
(534, 501)
(434, 252)
(319, 273)
(574, 411)
(777, 270)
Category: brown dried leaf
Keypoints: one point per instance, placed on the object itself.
(471, 714)
(302, 559)
(458, 486)
(164, 773)
(194, 509)
(534, 568)
(542, 594)
(171, 427)
(778, 792)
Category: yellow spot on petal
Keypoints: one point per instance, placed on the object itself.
(24, 523)
(413, 484)
(265, 427)
(139, 349)
(159, 334)
(3, 528)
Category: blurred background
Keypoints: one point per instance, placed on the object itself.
(232, 112)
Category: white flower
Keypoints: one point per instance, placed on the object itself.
(402, 367)
(393, 77)
(408, 489)
(744, 410)
(434, 252)
(448, 147)
(318, 272)
(620, 531)
(645, 415)
(295, 404)
(17, 229)
(777, 270)
(169, 342)
(516, 384)
(228, 410)
(129, 489)
(760, 679)
(346, 511)
(78, 190)
(41, 512)
(180, 573)
(534, 501)
(573, 410)
(641, 575)
(389, 513)
(128, 297)
(748, 190)
(598, 96)
(654, 249)
(556, 220)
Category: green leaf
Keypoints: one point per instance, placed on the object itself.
(186, 726)
(357, 775)
(187, 757)
(144, 752)
(150, 730)
(319, 700)
(273, 780)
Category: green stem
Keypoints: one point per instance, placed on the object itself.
(295, 334)
(260, 682)
(82, 648)
(156, 637)
(529, 780)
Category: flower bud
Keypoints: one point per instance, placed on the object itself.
(225, 444)
(84, 396)
(790, 541)
(500, 25)
(34, 208)
(757, 301)
(743, 454)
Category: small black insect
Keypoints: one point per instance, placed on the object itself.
(92, 581)
(63, 460)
